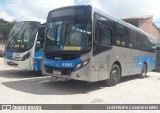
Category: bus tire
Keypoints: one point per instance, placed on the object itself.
(143, 71)
(115, 76)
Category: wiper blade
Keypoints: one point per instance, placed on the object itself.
(14, 38)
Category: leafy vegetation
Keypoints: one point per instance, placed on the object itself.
(4, 30)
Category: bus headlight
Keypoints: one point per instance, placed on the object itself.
(26, 56)
(78, 66)
(82, 64)
(85, 62)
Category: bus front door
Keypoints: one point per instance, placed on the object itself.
(37, 59)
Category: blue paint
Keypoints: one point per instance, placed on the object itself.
(38, 62)
(64, 64)
(8, 55)
(151, 61)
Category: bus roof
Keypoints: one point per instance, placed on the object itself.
(120, 21)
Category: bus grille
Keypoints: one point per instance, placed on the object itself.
(63, 71)
(62, 57)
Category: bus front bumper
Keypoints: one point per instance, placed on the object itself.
(83, 74)
(24, 65)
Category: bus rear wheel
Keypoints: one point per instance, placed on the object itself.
(144, 71)
(115, 77)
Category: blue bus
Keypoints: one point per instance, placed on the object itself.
(86, 44)
(23, 50)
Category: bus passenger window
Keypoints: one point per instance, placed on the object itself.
(105, 35)
(103, 38)
(132, 39)
(120, 35)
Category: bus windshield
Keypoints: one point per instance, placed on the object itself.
(14, 31)
(69, 35)
(22, 36)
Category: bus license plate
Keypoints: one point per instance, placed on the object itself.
(57, 72)
(11, 63)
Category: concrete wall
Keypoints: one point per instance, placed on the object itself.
(148, 26)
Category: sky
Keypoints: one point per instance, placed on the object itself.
(21, 10)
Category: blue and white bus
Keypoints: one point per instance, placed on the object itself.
(22, 49)
(84, 43)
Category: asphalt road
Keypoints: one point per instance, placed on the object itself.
(27, 87)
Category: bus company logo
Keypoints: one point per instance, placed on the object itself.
(6, 107)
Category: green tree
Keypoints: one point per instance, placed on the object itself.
(5, 29)
(1, 37)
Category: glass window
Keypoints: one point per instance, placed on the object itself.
(24, 38)
(120, 35)
(103, 38)
(105, 35)
(69, 35)
(14, 33)
(132, 37)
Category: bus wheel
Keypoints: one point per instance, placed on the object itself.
(144, 71)
(115, 77)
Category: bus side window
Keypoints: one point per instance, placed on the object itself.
(97, 25)
(105, 35)
(127, 38)
(103, 38)
(120, 35)
(132, 39)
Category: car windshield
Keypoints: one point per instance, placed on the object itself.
(22, 37)
(69, 35)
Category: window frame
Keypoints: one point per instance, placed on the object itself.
(97, 47)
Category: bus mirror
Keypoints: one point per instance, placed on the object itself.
(41, 33)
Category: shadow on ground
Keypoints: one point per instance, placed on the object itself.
(19, 74)
(50, 86)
